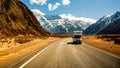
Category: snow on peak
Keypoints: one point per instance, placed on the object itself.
(63, 23)
(108, 15)
(112, 14)
(102, 23)
(36, 12)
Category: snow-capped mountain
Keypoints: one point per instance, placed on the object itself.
(102, 22)
(112, 28)
(59, 24)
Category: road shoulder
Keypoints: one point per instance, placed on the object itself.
(24, 51)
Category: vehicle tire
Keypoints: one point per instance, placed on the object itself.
(80, 42)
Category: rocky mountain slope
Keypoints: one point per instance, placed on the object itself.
(16, 19)
(102, 22)
(55, 24)
(112, 28)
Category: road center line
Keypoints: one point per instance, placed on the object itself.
(35, 56)
(74, 49)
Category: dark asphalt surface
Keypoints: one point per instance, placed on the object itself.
(63, 54)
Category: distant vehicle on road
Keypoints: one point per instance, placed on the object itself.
(77, 37)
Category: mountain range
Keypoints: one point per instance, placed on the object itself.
(106, 22)
(57, 24)
(112, 28)
(16, 19)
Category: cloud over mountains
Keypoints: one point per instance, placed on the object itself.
(40, 2)
(70, 16)
(51, 7)
(66, 2)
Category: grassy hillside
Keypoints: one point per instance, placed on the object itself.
(16, 19)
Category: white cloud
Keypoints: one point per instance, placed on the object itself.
(90, 20)
(71, 17)
(53, 7)
(66, 2)
(41, 2)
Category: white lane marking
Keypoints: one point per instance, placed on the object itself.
(74, 49)
(104, 51)
(62, 43)
(35, 56)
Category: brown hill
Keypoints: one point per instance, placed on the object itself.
(16, 19)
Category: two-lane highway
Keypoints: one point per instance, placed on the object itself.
(60, 54)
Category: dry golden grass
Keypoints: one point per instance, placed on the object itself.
(101, 43)
(19, 50)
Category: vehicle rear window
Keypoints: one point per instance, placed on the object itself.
(77, 36)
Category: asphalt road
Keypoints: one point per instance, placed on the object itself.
(63, 54)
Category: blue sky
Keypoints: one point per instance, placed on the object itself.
(79, 8)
